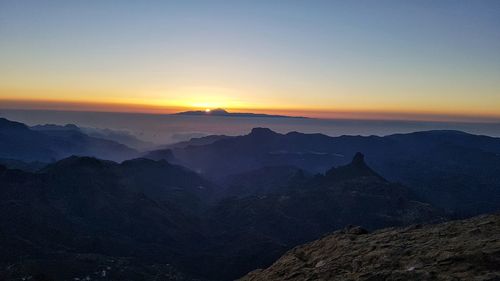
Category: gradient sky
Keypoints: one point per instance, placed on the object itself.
(390, 59)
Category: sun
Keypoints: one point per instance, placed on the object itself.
(208, 110)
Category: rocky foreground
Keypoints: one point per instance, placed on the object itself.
(456, 250)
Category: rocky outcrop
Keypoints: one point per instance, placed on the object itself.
(457, 250)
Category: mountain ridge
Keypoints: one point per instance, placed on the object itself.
(52, 142)
(443, 167)
(156, 212)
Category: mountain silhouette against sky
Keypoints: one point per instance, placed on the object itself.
(225, 113)
(456, 171)
(49, 143)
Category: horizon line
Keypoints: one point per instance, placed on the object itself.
(134, 108)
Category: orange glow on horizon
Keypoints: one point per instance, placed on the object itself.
(324, 113)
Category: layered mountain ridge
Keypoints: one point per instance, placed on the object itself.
(453, 170)
(217, 207)
(50, 143)
(159, 213)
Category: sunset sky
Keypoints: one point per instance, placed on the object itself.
(360, 59)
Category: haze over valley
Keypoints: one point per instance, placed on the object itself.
(159, 129)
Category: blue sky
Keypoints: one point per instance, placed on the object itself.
(427, 57)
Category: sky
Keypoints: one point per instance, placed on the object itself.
(421, 59)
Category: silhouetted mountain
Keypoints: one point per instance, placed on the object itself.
(278, 191)
(141, 208)
(147, 215)
(12, 126)
(122, 137)
(225, 113)
(264, 226)
(454, 170)
(51, 142)
(53, 127)
(357, 168)
(458, 250)
(262, 147)
(158, 180)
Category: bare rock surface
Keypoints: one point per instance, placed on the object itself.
(456, 250)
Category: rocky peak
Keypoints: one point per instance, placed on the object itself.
(356, 169)
(358, 159)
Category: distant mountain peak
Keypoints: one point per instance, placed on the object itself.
(225, 113)
(356, 169)
(8, 124)
(54, 127)
(259, 131)
(358, 159)
(217, 111)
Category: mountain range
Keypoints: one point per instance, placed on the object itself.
(217, 207)
(456, 171)
(50, 143)
(306, 209)
(158, 213)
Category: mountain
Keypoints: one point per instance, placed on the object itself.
(147, 217)
(53, 127)
(141, 209)
(158, 180)
(260, 148)
(457, 250)
(224, 113)
(17, 141)
(456, 171)
(356, 169)
(122, 137)
(49, 143)
(255, 230)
